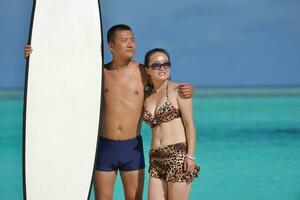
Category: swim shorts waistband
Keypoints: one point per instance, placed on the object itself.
(126, 140)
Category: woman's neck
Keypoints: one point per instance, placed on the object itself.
(158, 86)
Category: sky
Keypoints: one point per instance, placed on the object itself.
(211, 42)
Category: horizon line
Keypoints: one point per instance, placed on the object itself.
(210, 86)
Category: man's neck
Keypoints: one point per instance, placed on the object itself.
(119, 63)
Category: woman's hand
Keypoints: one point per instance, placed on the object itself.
(188, 165)
(27, 51)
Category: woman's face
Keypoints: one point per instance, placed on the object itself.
(159, 67)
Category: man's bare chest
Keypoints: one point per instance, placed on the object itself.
(116, 86)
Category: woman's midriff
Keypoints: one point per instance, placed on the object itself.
(168, 133)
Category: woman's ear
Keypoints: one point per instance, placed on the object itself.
(147, 70)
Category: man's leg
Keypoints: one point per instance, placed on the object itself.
(105, 169)
(133, 183)
(104, 184)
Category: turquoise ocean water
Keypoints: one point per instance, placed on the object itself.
(248, 144)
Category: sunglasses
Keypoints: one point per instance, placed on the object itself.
(157, 66)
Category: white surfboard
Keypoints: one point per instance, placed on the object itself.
(62, 99)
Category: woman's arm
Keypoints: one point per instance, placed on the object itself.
(186, 108)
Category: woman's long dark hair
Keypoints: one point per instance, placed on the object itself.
(153, 51)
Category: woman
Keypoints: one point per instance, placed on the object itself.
(172, 161)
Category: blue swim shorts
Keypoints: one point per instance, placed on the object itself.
(125, 155)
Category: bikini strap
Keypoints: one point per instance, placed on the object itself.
(167, 90)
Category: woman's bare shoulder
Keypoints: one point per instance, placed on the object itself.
(173, 89)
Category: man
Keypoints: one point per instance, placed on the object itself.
(120, 144)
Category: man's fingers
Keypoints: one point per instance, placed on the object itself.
(186, 94)
(27, 52)
(28, 48)
(184, 90)
(184, 85)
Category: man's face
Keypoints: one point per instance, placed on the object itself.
(123, 44)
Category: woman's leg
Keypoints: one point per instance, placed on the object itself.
(157, 189)
(178, 191)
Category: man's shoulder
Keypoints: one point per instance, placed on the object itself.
(141, 71)
(141, 66)
(106, 66)
(137, 64)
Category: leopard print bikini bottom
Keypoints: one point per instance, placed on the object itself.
(166, 163)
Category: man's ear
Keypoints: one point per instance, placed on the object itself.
(110, 46)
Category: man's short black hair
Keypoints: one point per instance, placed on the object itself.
(112, 31)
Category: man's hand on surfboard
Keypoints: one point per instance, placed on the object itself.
(186, 90)
(27, 50)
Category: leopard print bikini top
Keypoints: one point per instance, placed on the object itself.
(165, 113)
